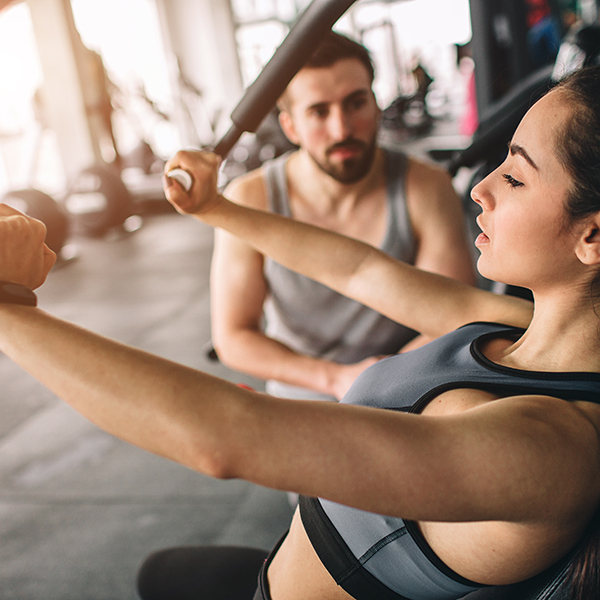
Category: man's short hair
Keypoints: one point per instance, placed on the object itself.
(333, 48)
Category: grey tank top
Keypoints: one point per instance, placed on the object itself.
(377, 556)
(316, 321)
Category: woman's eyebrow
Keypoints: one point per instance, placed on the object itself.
(516, 149)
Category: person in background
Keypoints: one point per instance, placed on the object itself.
(544, 33)
(306, 340)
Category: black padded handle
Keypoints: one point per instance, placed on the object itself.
(302, 39)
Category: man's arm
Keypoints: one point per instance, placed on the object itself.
(238, 292)
(437, 220)
(438, 223)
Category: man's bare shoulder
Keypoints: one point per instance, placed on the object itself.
(427, 172)
(249, 189)
(429, 186)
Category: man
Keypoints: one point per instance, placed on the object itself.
(304, 339)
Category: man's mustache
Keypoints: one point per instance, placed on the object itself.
(349, 144)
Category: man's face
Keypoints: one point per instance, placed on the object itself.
(333, 116)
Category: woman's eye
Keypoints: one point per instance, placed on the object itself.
(511, 181)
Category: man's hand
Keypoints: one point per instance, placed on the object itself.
(203, 168)
(24, 257)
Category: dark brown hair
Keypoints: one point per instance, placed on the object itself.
(583, 579)
(333, 48)
(579, 142)
(578, 147)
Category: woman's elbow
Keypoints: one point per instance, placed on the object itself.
(214, 462)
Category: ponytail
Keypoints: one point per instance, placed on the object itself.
(583, 579)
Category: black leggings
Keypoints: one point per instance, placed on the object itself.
(206, 573)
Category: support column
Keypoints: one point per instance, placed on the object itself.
(62, 90)
(201, 36)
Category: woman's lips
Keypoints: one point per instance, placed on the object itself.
(482, 239)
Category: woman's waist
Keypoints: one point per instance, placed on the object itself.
(295, 570)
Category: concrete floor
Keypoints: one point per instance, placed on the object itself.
(79, 509)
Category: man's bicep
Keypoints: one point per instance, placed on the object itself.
(238, 286)
(439, 224)
(248, 190)
(442, 250)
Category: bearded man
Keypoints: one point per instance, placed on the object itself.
(305, 340)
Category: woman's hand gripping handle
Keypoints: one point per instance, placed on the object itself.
(190, 181)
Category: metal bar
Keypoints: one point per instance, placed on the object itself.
(260, 97)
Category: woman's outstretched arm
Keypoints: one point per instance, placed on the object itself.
(465, 467)
(428, 303)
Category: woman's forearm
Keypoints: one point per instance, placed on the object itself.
(426, 302)
(200, 421)
(314, 252)
(193, 418)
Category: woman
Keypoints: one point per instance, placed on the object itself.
(481, 473)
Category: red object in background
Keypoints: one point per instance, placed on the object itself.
(537, 10)
(470, 118)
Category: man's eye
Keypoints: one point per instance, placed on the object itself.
(512, 181)
(358, 103)
(319, 113)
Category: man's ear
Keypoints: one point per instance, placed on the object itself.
(287, 125)
(378, 108)
(588, 245)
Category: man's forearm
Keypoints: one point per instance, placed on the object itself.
(258, 355)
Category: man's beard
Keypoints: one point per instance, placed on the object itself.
(350, 170)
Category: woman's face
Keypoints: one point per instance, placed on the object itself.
(524, 240)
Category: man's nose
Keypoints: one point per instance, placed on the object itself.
(340, 126)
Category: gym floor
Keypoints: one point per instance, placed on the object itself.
(80, 509)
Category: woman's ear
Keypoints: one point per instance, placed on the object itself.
(287, 125)
(588, 245)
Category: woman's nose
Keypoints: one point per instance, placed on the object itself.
(476, 194)
(480, 193)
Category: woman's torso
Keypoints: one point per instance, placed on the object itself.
(486, 552)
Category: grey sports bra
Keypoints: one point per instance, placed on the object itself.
(375, 556)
